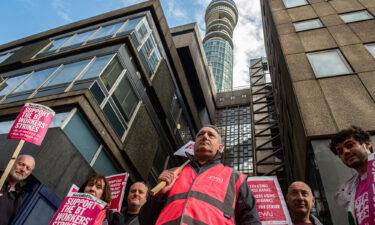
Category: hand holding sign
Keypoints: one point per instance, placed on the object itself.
(31, 125)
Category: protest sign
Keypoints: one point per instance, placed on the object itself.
(78, 208)
(117, 184)
(188, 147)
(271, 205)
(73, 189)
(32, 123)
(371, 187)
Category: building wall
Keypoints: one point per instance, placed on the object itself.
(131, 106)
(313, 98)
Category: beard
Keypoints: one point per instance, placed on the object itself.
(13, 175)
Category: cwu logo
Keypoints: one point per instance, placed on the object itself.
(216, 179)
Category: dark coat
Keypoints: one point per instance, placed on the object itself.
(10, 203)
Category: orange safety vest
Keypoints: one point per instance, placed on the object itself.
(206, 198)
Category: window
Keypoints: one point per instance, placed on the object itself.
(84, 36)
(35, 80)
(371, 49)
(307, 25)
(294, 3)
(11, 83)
(67, 73)
(125, 97)
(328, 63)
(5, 56)
(356, 16)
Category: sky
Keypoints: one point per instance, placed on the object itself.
(22, 18)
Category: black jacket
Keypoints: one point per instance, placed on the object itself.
(10, 202)
(245, 209)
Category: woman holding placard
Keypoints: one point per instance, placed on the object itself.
(98, 186)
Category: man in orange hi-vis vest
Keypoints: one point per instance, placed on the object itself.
(205, 192)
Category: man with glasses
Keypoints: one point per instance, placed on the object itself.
(12, 192)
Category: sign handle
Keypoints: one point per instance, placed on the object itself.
(11, 163)
(162, 184)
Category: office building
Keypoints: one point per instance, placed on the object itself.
(221, 18)
(233, 118)
(322, 64)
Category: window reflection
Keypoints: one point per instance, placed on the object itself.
(35, 80)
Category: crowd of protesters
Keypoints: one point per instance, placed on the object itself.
(207, 192)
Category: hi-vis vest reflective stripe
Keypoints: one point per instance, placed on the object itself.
(208, 198)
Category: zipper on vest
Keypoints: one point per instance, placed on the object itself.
(188, 195)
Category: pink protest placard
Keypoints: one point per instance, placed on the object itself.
(371, 187)
(73, 189)
(271, 205)
(117, 185)
(78, 208)
(32, 123)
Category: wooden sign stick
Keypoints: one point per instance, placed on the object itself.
(11, 163)
(162, 184)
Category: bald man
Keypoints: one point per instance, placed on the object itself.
(300, 201)
(12, 193)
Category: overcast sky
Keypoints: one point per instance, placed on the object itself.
(22, 18)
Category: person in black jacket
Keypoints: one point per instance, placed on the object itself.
(137, 197)
(205, 192)
(12, 192)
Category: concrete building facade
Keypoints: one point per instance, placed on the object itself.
(122, 98)
(322, 63)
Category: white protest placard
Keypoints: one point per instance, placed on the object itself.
(271, 205)
(188, 147)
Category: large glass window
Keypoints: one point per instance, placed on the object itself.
(35, 80)
(294, 3)
(125, 97)
(82, 136)
(84, 37)
(81, 37)
(356, 16)
(371, 49)
(328, 63)
(67, 73)
(111, 73)
(308, 25)
(56, 44)
(11, 83)
(103, 164)
(109, 30)
(5, 56)
(97, 67)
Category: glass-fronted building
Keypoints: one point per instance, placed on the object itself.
(221, 18)
(117, 86)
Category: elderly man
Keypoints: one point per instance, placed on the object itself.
(353, 146)
(300, 201)
(12, 192)
(137, 197)
(205, 192)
